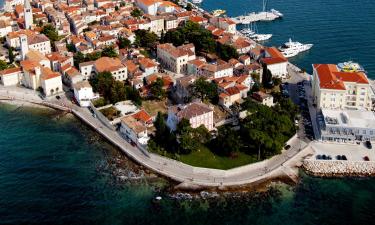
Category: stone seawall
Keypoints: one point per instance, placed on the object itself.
(335, 168)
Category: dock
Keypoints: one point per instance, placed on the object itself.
(254, 17)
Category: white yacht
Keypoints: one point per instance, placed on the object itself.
(197, 1)
(260, 37)
(247, 30)
(293, 48)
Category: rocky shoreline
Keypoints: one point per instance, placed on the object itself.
(337, 168)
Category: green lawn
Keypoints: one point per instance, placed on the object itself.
(205, 158)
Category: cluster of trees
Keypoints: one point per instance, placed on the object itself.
(182, 141)
(268, 81)
(136, 13)
(50, 32)
(108, 51)
(114, 91)
(146, 39)
(205, 90)
(157, 90)
(262, 133)
(123, 42)
(202, 39)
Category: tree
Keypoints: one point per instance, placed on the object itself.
(189, 7)
(144, 38)
(133, 94)
(205, 90)
(11, 54)
(266, 77)
(78, 58)
(3, 65)
(50, 32)
(123, 42)
(227, 141)
(116, 8)
(226, 52)
(109, 51)
(117, 92)
(136, 13)
(157, 90)
(102, 83)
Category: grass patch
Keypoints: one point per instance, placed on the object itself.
(205, 158)
(111, 113)
(152, 107)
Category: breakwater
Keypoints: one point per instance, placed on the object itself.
(335, 168)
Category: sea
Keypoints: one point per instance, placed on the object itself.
(341, 30)
(56, 170)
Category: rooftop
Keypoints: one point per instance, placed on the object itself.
(349, 118)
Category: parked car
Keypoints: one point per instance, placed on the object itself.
(287, 147)
(366, 158)
(368, 144)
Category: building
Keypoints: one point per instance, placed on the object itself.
(11, 77)
(347, 125)
(334, 89)
(175, 58)
(83, 93)
(217, 70)
(226, 24)
(28, 15)
(134, 130)
(263, 98)
(275, 62)
(197, 113)
(5, 28)
(37, 42)
(104, 64)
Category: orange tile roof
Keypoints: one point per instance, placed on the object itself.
(331, 78)
(143, 116)
(108, 64)
(10, 70)
(276, 56)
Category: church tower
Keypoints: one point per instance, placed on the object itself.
(28, 14)
(24, 46)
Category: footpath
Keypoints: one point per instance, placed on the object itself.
(188, 175)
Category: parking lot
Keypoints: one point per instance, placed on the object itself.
(352, 152)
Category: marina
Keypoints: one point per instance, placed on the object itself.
(264, 15)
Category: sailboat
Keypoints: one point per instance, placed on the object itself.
(259, 37)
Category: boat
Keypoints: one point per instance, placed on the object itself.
(256, 36)
(293, 48)
(260, 37)
(218, 12)
(277, 13)
(350, 66)
(247, 30)
(197, 1)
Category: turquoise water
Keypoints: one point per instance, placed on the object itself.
(54, 170)
(340, 30)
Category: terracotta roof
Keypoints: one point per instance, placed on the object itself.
(331, 78)
(232, 91)
(10, 70)
(82, 84)
(47, 73)
(108, 64)
(275, 56)
(146, 63)
(133, 124)
(192, 110)
(143, 116)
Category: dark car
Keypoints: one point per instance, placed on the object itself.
(368, 144)
(366, 158)
(287, 147)
(58, 97)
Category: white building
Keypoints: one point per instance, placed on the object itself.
(263, 98)
(148, 6)
(218, 70)
(37, 42)
(28, 14)
(175, 58)
(83, 93)
(11, 77)
(197, 113)
(275, 62)
(135, 130)
(347, 125)
(226, 24)
(334, 89)
(104, 64)
(5, 28)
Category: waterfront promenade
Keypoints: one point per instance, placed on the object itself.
(189, 175)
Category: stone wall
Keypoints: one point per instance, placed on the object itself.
(333, 168)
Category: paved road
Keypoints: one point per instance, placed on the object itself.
(171, 168)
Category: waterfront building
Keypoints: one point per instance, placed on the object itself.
(11, 77)
(83, 93)
(196, 113)
(334, 89)
(134, 130)
(175, 58)
(227, 24)
(347, 125)
(216, 70)
(275, 62)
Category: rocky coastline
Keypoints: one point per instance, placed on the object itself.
(336, 168)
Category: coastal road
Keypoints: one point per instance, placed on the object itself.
(171, 168)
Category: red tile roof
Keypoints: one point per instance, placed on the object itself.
(331, 78)
(275, 57)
